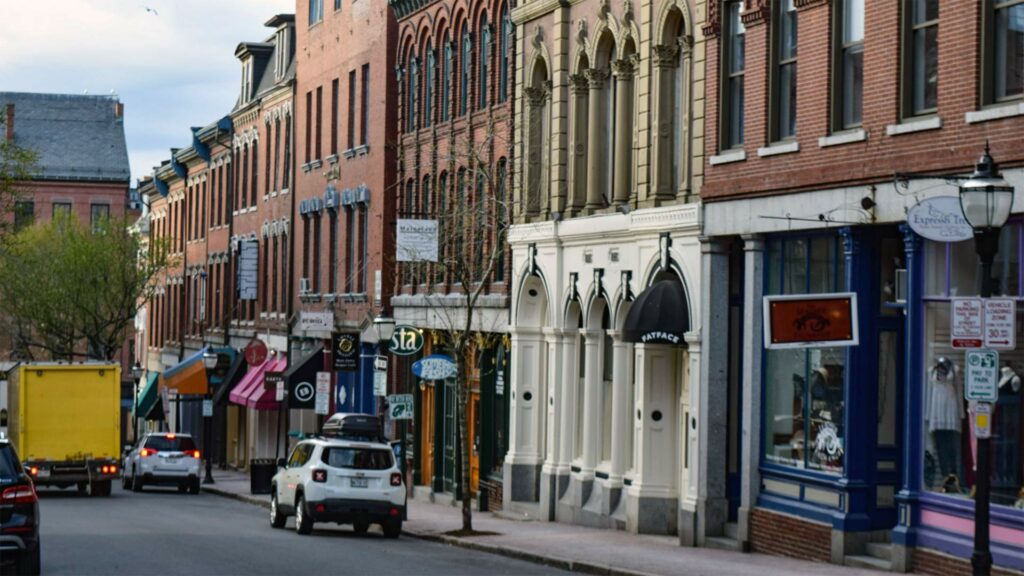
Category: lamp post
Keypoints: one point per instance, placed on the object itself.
(209, 362)
(384, 324)
(986, 199)
(136, 377)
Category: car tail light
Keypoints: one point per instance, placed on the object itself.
(19, 495)
(319, 475)
(171, 436)
(394, 511)
(104, 469)
(396, 479)
(113, 469)
(33, 470)
(193, 453)
(147, 452)
(320, 508)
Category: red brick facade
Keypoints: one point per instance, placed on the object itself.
(952, 148)
(803, 539)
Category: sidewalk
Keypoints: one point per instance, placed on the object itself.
(567, 546)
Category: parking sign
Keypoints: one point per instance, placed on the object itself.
(982, 375)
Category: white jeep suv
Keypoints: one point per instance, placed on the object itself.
(163, 458)
(341, 481)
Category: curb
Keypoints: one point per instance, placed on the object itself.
(567, 564)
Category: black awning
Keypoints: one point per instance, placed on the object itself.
(659, 315)
(234, 375)
(300, 378)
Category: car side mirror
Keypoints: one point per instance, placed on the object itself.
(282, 463)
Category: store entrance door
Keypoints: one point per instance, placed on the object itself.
(450, 436)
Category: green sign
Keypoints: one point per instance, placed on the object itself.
(400, 406)
(406, 341)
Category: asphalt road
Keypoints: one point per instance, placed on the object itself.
(163, 532)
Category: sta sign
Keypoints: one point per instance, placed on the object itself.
(406, 341)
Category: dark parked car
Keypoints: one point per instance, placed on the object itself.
(19, 515)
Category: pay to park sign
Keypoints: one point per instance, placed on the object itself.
(983, 323)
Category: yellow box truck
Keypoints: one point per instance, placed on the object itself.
(64, 421)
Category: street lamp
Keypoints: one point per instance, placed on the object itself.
(986, 199)
(209, 362)
(385, 326)
(136, 377)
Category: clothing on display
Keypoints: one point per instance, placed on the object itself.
(944, 414)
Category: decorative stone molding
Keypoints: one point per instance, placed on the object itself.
(604, 10)
(623, 69)
(535, 96)
(686, 45)
(581, 31)
(578, 83)
(713, 22)
(802, 4)
(596, 78)
(666, 55)
(627, 13)
(755, 12)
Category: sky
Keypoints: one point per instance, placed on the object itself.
(171, 62)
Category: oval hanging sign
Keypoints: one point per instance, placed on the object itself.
(940, 219)
(434, 367)
(406, 341)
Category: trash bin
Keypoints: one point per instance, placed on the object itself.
(261, 473)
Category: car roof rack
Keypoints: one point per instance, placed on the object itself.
(351, 426)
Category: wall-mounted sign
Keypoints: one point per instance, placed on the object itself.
(967, 323)
(346, 352)
(416, 240)
(406, 341)
(380, 363)
(248, 265)
(660, 337)
(323, 393)
(255, 352)
(316, 321)
(940, 219)
(434, 367)
(272, 380)
(1000, 323)
(810, 320)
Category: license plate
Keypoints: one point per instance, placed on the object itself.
(359, 482)
(43, 473)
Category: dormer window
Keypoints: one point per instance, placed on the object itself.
(247, 80)
(282, 54)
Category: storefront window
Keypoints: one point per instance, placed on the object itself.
(804, 387)
(952, 270)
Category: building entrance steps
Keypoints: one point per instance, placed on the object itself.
(576, 548)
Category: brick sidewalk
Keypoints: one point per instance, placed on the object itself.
(568, 546)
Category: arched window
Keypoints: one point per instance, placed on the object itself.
(441, 210)
(672, 68)
(424, 212)
(501, 214)
(479, 215)
(485, 59)
(467, 61)
(410, 212)
(446, 78)
(412, 89)
(506, 37)
(538, 110)
(428, 88)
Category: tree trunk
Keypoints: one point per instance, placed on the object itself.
(462, 404)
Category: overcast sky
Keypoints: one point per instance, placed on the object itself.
(173, 65)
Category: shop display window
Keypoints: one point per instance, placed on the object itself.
(953, 270)
(804, 387)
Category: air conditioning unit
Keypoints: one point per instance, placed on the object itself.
(363, 195)
(303, 285)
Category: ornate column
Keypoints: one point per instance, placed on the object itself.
(750, 395)
(622, 414)
(592, 402)
(596, 80)
(552, 460)
(579, 87)
(535, 98)
(624, 70)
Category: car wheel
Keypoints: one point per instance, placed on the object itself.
(392, 528)
(361, 527)
(104, 487)
(277, 519)
(303, 523)
(126, 481)
(82, 487)
(30, 563)
(182, 488)
(193, 487)
(136, 483)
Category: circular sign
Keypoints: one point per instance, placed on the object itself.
(406, 341)
(304, 392)
(256, 352)
(434, 367)
(940, 219)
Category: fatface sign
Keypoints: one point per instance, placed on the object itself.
(659, 337)
(940, 219)
(810, 321)
(416, 240)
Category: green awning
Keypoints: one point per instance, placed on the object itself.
(149, 398)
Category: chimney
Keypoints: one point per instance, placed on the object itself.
(10, 122)
(118, 110)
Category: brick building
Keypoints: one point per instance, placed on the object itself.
(346, 104)
(843, 455)
(454, 139)
(607, 221)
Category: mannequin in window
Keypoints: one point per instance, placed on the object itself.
(944, 411)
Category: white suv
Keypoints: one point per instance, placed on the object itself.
(342, 481)
(163, 458)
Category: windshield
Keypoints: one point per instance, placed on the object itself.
(358, 458)
(9, 465)
(176, 444)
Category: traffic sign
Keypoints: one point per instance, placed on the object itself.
(406, 341)
(380, 383)
(981, 419)
(966, 323)
(323, 393)
(982, 375)
(400, 406)
(207, 407)
(1000, 323)
(380, 363)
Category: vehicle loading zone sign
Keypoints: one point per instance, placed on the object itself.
(983, 323)
(982, 382)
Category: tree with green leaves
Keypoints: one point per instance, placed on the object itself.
(70, 291)
(16, 167)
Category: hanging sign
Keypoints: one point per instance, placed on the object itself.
(966, 323)
(255, 352)
(810, 320)
(406, 341)
(940, 219)
(346, 352)
(272, 380)
(982, 379)
(400, 407)
(380, 383)
(323, 393)
(1000, 323)
(416, 240)
(434, 367)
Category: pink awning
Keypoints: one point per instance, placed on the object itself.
(259, 398)
(252, 383)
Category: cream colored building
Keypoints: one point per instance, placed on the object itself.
(609, 145)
